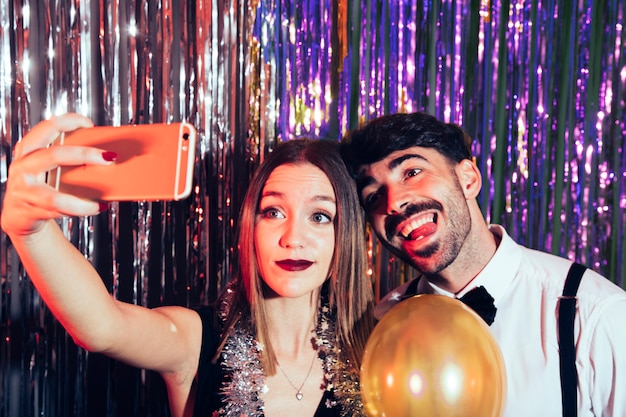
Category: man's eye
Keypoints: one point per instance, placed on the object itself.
(413, 172)
(370, 199)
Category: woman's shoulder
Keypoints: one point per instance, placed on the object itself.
(210, 327)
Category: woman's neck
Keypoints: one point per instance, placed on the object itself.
(291, 325)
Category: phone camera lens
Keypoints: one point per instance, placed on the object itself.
(185, 136)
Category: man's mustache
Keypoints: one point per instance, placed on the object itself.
(393, 220)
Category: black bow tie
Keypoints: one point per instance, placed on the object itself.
(481, 302)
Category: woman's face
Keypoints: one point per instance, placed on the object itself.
(294, 233)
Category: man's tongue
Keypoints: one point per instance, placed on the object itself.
(423, 231)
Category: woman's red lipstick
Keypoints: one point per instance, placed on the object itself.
(294, 264)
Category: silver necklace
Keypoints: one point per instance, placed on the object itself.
(298, 390)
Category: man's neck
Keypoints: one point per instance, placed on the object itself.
(473, 257)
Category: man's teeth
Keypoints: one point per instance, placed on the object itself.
(415, 224)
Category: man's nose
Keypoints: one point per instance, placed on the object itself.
(398, 198)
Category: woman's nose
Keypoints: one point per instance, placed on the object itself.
(292, 235)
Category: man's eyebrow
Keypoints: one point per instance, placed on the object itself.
(399, 160)
(362, 182)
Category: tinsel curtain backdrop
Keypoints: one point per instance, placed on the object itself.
(540, 86)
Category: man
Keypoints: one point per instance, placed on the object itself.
(418, 185)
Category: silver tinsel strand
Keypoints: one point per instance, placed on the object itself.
(244, 383)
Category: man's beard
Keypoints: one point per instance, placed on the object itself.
(448, 248)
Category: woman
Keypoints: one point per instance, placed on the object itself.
(286, 336)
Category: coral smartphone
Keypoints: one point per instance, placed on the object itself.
(154, 162)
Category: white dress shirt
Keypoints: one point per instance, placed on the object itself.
(526, 285)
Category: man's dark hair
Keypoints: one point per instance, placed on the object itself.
(386, 134)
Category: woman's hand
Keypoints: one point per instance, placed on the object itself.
(29, 202)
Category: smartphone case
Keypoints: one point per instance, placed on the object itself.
(154, 162)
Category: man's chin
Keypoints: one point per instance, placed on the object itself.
(406, 250)
(424, 259)
(422, 249)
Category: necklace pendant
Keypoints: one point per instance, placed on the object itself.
(298, 395)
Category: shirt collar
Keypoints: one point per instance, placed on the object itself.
(496, 276)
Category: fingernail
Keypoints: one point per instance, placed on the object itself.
(102, 206)
(109, 156)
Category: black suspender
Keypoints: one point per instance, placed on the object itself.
(567, 347)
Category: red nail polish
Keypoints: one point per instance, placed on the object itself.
(109, 156)
(102, 206)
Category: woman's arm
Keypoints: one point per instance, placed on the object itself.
(165, 339)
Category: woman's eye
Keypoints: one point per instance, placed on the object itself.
(321, 218)
(272, 213)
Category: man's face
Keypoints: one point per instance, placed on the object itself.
(416, 205)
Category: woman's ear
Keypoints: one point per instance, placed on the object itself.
(469, 177)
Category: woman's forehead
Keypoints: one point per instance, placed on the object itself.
(303, 179)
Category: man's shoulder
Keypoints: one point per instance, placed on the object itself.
(393, 297)
(553, 269)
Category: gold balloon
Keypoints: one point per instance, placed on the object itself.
(431, 356)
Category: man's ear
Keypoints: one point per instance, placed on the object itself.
(469, 177)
